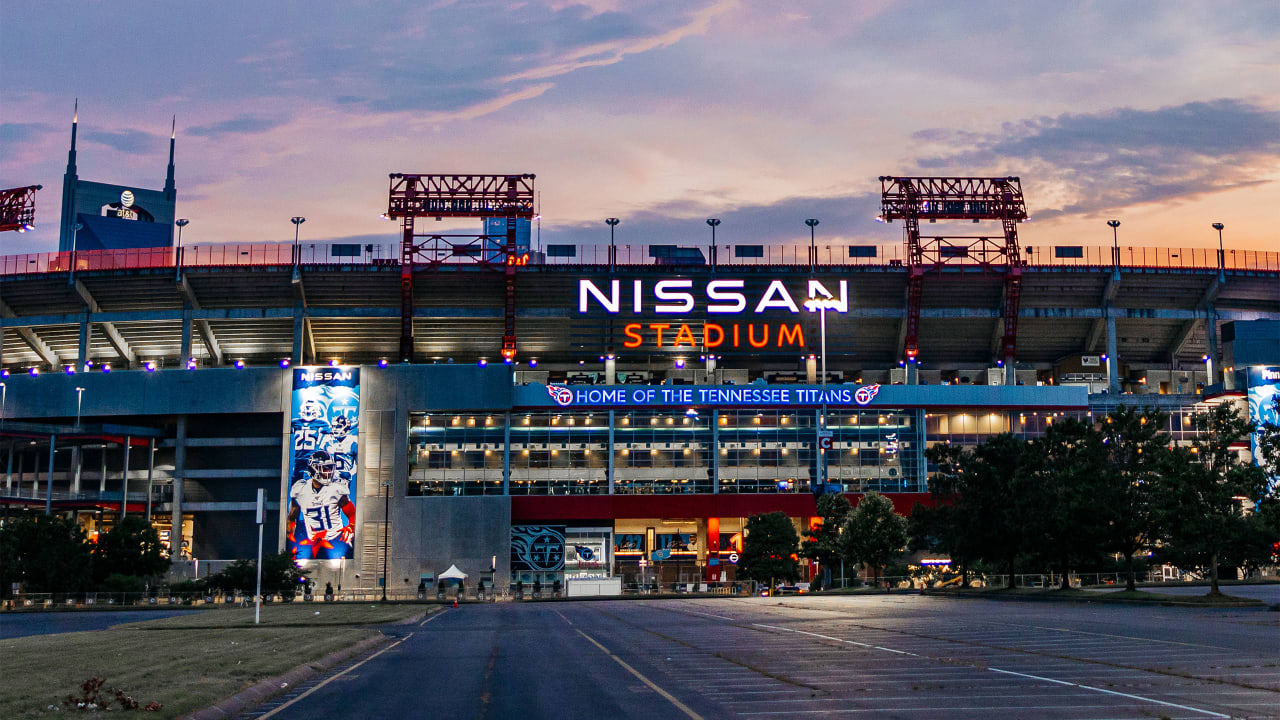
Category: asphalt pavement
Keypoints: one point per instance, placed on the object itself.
(21, 624)
(892, 656)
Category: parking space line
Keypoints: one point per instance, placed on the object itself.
(652, 685)
(836, 639)
(335, 677)
(1112, 692)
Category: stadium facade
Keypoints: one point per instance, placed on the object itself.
(652, 406)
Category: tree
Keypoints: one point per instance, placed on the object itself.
(46, 553)
(769, 549)
(1062, 472)
(936, 531)
(1202, 491)
(874, 534)
(280, 576)
(986, 488)
(823, 543)
(130, 547)
(1136, 448)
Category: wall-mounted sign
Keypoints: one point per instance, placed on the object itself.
(323, 467)
(717, 297)
(731, 396)
(1264, 391)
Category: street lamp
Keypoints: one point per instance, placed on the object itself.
(297, 223)
(713, 222)
(79, 403)
(813, 249)
(1115, 242)
(177, 256)
(1221, 253)
(613, 251)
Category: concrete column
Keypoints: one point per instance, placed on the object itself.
(82, 352)
(913, 373)
(609, 452)
(299, 335)
(8, 472)
(715, 452)
(179, 472)
(713, 549)
(811, 370)
(151, 468)
(711, 368)
(610, 370)
(35, 477)
(1010, 375)
(185, 351)
(1211, 333)
(124, 484)
(1113, 362)
(21, 469)
(74, 469)
(506, 454)
(102, 474)
(48, 477)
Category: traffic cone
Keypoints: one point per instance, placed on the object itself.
(455, 601)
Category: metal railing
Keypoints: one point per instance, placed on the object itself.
(690, 256)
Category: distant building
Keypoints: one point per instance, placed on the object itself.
(113, 217)
(496, 230)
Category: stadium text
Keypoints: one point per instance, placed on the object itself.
(566, 396)
(721, 297)
(714, 335)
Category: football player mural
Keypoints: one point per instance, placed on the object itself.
(322, 472)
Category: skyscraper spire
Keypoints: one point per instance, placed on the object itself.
(170, 189)
(71, 155)
(69, 183)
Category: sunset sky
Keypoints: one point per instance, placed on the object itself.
(1163, 115)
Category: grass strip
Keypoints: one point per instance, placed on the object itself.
(183, 666)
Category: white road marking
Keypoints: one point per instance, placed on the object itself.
(335, 677)
(652, 685)
(1112, 692)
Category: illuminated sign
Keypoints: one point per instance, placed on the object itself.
(126, 211)
(718, 297)
(1264, 391)
(642, 396)
(713, 335)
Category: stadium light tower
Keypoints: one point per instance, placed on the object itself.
(1221, 253)
(177, 256)
(297, 223)
(714, 223)
(813, 248)
(18, 208)
(1115, 242)
(613, 249)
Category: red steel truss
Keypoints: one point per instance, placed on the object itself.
(458, 196)
(913, 199)
(18, 208)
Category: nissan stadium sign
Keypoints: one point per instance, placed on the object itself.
(726, 298)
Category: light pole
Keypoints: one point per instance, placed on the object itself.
(297, 223)
(177, 256)
(1221, 252)
(813, 248)
(613, 250)
(79, 403)
(1115, 242)
(711, 257)
(71, 271)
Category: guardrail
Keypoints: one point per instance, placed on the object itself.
(691, 256)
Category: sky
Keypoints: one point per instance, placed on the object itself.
(1165, 116)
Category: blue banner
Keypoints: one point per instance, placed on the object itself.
(1264, 390)
(323, 463)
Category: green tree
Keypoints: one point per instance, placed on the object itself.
(986, 488)
(1203, 493)
(1062, 472)
(1136, 448)
(46, 553)
(937, 531)
(874, 534)
(823, 543)
(130, 547)
(769, 549)
(280, 576)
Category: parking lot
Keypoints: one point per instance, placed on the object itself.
(868, 656)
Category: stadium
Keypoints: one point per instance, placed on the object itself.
(607, 414)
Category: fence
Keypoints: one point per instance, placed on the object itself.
(825, 256)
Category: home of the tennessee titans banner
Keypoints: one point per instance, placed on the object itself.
(322, 466)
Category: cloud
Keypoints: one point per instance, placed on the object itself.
(843, 219)
(1085, 164)
(127, 141)
(240, 125)
(23, 132)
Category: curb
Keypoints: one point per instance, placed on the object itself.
(266, 689)
(1252, 604)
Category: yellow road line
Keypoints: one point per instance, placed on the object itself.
(335, 677)
(433, 617)
(653, 686)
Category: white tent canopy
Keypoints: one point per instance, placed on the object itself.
(453, 573)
